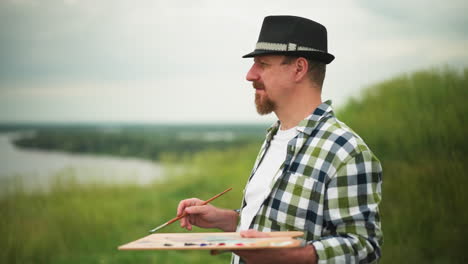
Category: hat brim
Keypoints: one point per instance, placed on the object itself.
(314, 55)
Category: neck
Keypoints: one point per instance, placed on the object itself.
(302, 102)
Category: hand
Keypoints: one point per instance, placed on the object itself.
(206, 216)
(286, 255)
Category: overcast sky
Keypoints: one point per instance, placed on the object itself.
(180, 61)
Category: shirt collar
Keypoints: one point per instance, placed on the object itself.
(308, 124)
(324, 110)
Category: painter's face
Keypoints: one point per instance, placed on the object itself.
(269, 78)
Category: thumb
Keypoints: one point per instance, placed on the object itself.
(197, 209)
(253, 233)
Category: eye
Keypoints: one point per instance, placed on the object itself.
(263, 64)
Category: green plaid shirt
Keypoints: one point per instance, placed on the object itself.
(329, 188)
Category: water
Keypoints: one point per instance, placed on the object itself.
(36, 170)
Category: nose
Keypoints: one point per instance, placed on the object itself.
(252, 74)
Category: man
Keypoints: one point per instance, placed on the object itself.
(313, 173)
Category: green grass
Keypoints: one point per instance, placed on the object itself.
(416, 124)
(86, 224)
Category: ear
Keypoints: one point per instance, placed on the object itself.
(302, 67)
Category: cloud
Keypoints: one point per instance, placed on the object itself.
(120, 40)
(423, 18)
(133, 60)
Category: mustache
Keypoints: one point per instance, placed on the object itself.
(258, 85)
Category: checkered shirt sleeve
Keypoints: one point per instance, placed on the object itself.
(330, 189)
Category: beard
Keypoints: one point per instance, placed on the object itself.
(263, 103)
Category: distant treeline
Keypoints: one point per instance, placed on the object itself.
(142, 141)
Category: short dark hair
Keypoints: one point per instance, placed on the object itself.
(316, 70)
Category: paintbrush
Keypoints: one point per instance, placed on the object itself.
(185, 214)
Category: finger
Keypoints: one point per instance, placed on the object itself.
(182, 205)
(182, 222)
(181, 208)
(188, 222)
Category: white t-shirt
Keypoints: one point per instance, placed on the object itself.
(258, 188)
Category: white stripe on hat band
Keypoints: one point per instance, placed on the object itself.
(282, 47)
(271, 46)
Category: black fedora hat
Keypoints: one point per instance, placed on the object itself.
(292, 36)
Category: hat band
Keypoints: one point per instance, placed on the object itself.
(282, 47)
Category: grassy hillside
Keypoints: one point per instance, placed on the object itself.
(417, 125)
(414, 123)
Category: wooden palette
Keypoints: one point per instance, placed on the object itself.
(218, 241)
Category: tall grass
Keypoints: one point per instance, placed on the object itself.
(415, 123)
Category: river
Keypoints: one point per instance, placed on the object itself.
(37, 170)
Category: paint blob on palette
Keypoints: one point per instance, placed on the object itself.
(223, 241)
